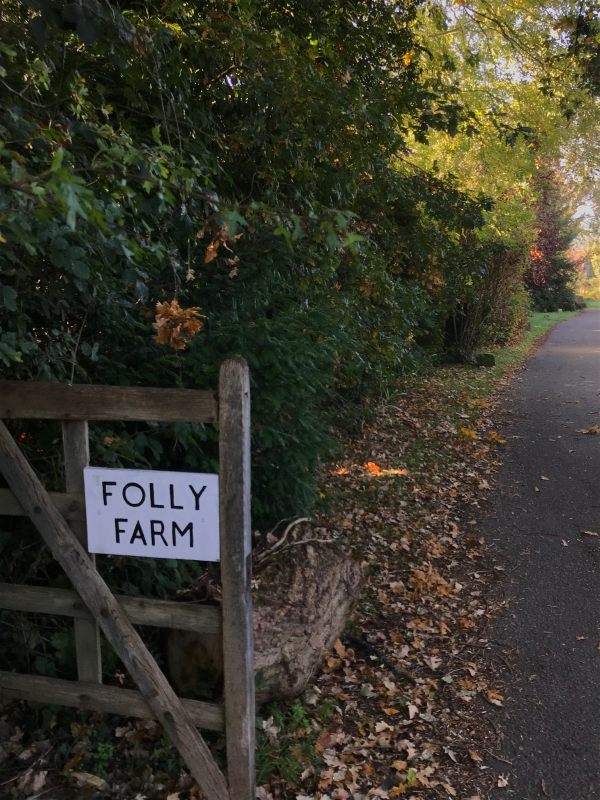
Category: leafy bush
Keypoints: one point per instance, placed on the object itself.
(238, 159)
(495, 303)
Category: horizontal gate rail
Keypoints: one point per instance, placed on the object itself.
(140, 610)
(99, 697)
(91, 402)
(70, 504)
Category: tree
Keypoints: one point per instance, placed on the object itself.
(551, 275)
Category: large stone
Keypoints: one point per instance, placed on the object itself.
(302, 602)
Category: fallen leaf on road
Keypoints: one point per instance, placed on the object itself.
(544, 478)
(502, 781)
(590, 533)
(590, 431)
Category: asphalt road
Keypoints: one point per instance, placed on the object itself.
(548, 493)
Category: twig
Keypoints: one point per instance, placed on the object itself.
(287, 531)
(305, 541)
(276, 548)
(270, 554)
(76, 346)
(497, 758)
(33, 764)
(28, 100)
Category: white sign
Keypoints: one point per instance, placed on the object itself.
(134, 512)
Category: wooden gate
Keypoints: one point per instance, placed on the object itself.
(60, 519)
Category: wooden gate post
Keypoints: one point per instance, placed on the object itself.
(236, 572)
(87, 633)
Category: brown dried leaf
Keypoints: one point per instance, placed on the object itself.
(175, 326)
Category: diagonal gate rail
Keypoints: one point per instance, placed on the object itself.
(94, 607)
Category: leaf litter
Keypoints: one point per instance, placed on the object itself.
(414, 699)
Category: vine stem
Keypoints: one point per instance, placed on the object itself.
(76, 347)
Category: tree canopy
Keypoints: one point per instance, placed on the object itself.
(339, 192)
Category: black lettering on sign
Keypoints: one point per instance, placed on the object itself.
(197, 495)
(157, 528)
(127, 492)
(189, 528)
(105, 493)
(172, 495)
(118, 529)
(138, 533)
(152, 499)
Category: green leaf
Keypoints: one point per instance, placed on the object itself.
(57, 160)
(9, 298)
(81, 270)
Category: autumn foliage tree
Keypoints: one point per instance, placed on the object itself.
(551, 275)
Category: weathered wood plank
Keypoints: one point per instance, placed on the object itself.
(166, 706)
(236, 567)
(24, 400)
(76, 449)
(94, 697)
(70, 505)
(205, 620)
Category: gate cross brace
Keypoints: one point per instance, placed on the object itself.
(111, 618)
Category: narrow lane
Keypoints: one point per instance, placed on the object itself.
(548, 493)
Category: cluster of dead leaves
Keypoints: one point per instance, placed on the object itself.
(220, 237)
(412, 697)
(176, 326)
